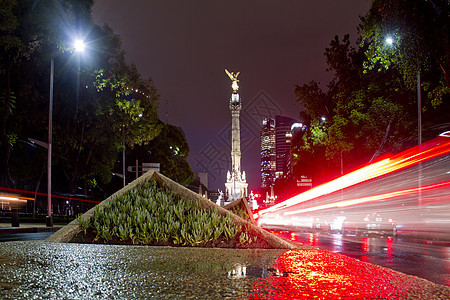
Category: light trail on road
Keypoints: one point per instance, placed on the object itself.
(407, 192)
(381, 197)
(408, 158)
(41, 194)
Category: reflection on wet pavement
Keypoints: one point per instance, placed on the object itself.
(413, 257)
(37, 269)
(326, 275)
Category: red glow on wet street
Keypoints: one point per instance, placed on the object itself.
(316, 274)
(293, 236)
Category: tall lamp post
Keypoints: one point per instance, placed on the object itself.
(78, 47)
(390, 41)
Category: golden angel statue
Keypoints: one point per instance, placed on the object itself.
(233, 77)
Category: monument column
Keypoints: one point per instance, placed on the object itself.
(236, 185)
(235, 108)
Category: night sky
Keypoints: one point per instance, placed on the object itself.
(184, 46)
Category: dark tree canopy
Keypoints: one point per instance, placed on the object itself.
(419, 33)
(170, 149)
(101, 103)
(370, 106)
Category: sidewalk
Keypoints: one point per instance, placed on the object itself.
(100, 271)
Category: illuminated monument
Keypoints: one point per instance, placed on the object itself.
(236, 185)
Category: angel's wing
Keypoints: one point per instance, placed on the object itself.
(229, 74)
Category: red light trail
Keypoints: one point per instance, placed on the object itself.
(40, 194)
(15, 198)
(381, 197)
(405, 159)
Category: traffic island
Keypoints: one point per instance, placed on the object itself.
(156, 211)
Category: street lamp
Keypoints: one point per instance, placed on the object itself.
(77, 46)
(390, 41)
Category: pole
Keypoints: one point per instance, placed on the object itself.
(123, 162)
(419, 109)
(342, 174)
(419, 137)
(49, 220)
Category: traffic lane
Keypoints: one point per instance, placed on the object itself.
(428, 261)
(24, 236)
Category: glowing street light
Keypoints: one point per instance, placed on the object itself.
(78, 46)
(389, 40)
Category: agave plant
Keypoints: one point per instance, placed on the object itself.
(84, 222)
(150, 214)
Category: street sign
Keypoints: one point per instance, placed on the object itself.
(144, 168)
(151, 166)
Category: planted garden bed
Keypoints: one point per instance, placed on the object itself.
(150, 214)
(155, 210)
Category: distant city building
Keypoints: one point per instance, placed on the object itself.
(268, 155)
(276, 158)
(283, 137)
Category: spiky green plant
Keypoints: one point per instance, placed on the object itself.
(84, 222)
(123, 232)
(149, 214)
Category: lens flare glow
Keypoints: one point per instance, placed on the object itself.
(79, 45)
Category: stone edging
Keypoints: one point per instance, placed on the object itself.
(65, 234)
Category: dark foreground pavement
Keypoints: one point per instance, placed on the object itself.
(44, 270)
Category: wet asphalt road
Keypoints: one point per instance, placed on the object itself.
(45, 270)
(24, 236)
(425, 259)
(414, 257)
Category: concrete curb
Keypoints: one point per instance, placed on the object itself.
(66, 233)
(14, 230)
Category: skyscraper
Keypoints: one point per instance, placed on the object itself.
(276, 138)
(283, 137)
(268, 154)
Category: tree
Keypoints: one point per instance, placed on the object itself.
(315, 102)
(370, 115)
(170, 149)
(101, 104)
(116, 109)
(309, 149)
(10, 46)
(419, 42)
(26, 27)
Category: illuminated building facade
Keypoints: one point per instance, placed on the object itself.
(268, 154)
(276, 158)
(283, 137)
